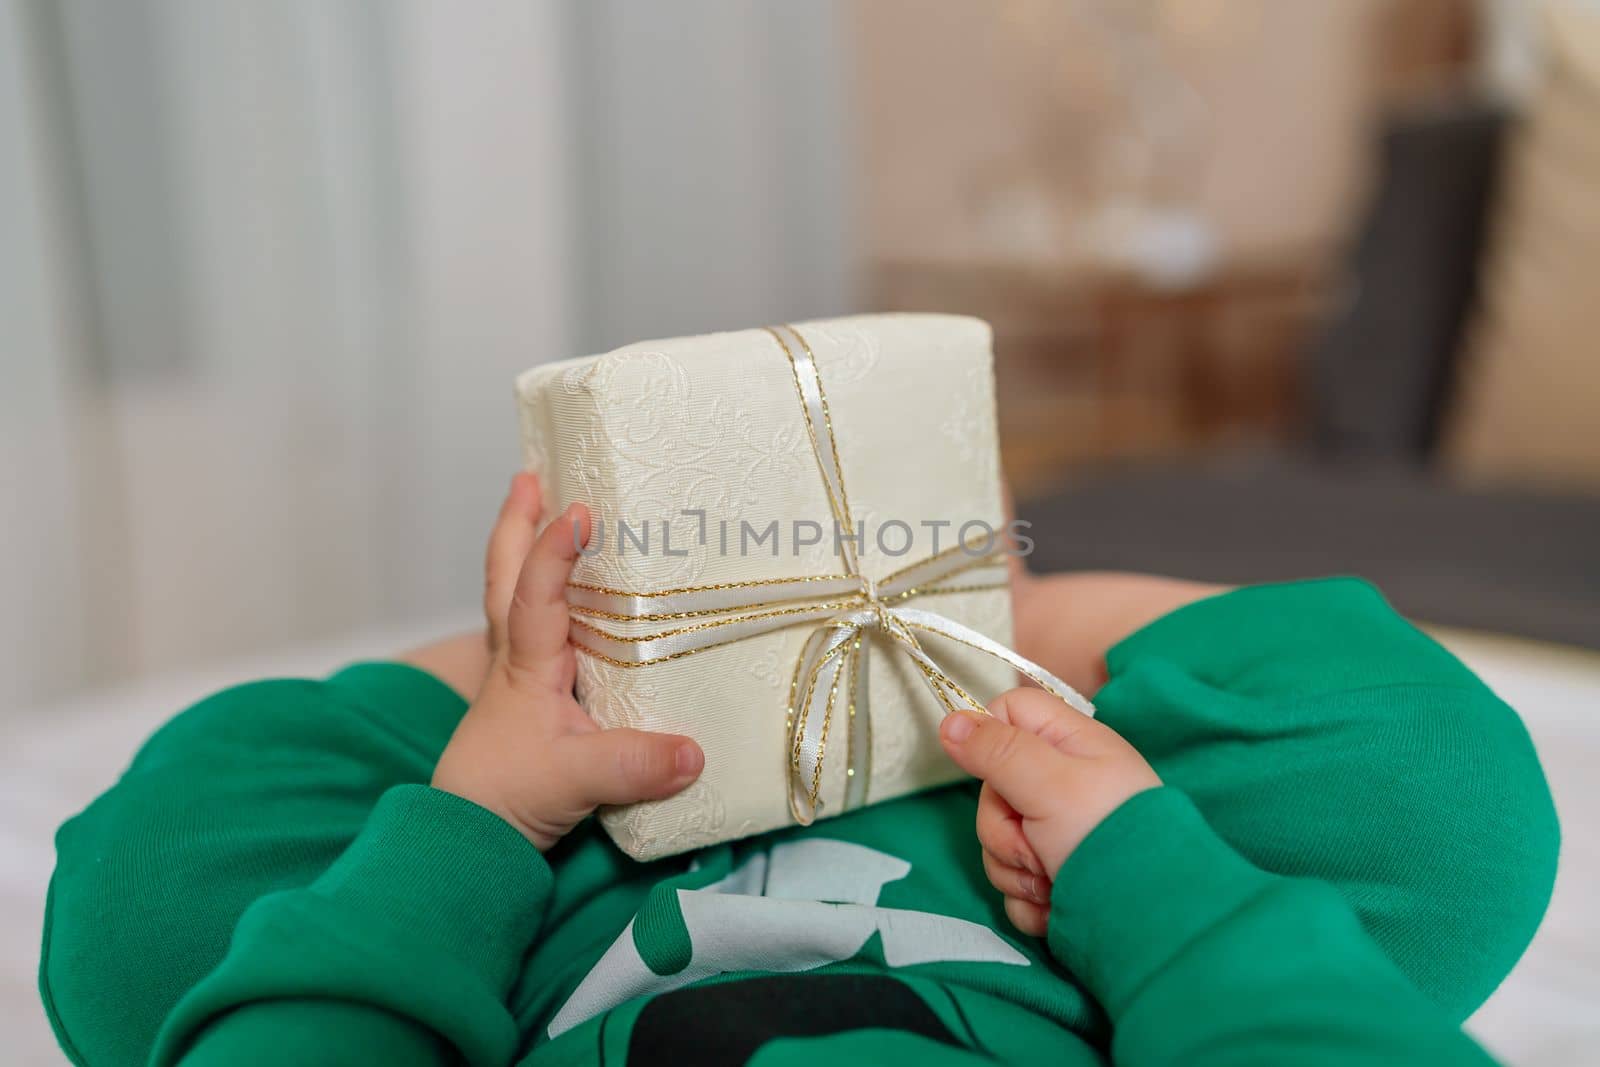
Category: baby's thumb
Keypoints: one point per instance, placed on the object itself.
(1022, 767)
(1047, 716)
(623, 766)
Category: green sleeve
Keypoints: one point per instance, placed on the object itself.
(1322, 736)
(1202, 959)
(409, 943)
(252, 791)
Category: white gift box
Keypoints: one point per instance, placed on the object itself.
(717, 469)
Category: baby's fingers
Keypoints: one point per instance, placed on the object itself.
(1030, 918)
(538, 624)
(1020, 766)
(1046, 716)
(1016, 882)
(509, 544)
(1000, 832)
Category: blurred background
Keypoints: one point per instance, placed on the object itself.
(1279, 287)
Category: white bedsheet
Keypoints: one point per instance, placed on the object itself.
(57, 759)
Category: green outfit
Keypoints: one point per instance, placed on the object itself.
(1354, 844)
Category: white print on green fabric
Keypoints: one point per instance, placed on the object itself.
(799, 906)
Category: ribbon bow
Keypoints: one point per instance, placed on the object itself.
(844, 605)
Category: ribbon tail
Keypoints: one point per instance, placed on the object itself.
(934, 623)
(817, 692)
(858, 756)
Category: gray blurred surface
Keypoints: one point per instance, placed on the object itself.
(1514, 561)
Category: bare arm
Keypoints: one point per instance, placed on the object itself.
(1068, 622)
(459, 662)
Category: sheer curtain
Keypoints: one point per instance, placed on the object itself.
(268, 268)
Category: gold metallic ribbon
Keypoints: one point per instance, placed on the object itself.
(831, 673)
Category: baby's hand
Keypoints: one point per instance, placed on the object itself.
(525, 750)
(1050, 775)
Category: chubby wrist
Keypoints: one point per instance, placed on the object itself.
(462, 774)
(491, 803)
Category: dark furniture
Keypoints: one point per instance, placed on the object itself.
(1361, 495)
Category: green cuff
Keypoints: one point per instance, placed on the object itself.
(1145, 883)
(426, 916)
(446, 870)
